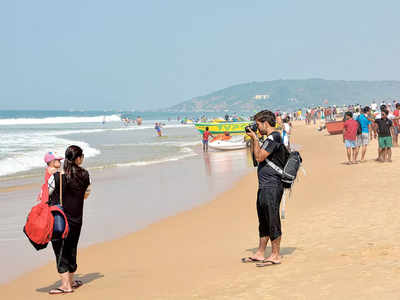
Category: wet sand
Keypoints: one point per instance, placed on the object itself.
(340, 241)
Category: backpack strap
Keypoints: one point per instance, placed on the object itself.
(274, 166)
(61, 189)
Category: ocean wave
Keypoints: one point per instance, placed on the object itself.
(156, 143)
(129, 128)
(60, 120)
(184, 153)
(22, 160)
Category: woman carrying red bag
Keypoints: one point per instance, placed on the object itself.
(75, 188)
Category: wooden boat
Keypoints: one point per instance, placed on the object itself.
(335, 127)
(222, 127)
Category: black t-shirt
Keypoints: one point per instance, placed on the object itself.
(267, 176)
(384, 127)
(73, 195)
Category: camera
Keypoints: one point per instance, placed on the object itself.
(252, 127)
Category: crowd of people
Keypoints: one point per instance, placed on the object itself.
(364, 124)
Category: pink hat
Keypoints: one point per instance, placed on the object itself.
(50, 156)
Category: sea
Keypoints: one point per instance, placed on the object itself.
(107, 142)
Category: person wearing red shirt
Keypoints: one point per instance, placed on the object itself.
(350, 137)
(206, 135)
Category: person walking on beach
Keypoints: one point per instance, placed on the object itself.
(270, 189)
(350, 137)
(206, 135)
(75, 188)
(157, 127)
(286, 131)
(366, 133)
(384, 129)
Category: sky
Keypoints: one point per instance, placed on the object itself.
(150, 54)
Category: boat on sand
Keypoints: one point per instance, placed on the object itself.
(334, 127)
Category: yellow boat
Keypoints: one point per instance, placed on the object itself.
(222, 127)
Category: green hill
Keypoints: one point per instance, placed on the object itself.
(291, 94)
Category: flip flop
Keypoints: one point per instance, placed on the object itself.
(76, 284)
(59, 291)
(267, 263)
(251, 260)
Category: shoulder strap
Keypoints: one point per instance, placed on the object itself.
(61, 189)
(274, 166)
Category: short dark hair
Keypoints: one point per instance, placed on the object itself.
(383, 107)
(366, 109)
(207, 128)
(397, 105)
(349, 113)
(265, 116)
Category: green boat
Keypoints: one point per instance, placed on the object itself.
(222, 127)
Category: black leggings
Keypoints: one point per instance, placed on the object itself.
(268, 203)
(67, 263)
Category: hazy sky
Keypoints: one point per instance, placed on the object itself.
(149, 54)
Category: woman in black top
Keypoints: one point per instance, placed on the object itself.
(75, 188)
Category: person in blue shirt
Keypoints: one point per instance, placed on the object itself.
(366, 133)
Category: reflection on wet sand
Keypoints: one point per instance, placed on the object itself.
(217, 162)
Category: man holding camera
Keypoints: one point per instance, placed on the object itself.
(270, 189)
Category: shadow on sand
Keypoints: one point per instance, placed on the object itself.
(84, 278)
(284, 250)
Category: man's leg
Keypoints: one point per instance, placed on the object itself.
(383, 155)
(262, 225)
(259, 255)
(348, 150)
(274, 224)
(379, 153)
(276, 248)
(363, 152)
(389, 154)
(356, 150)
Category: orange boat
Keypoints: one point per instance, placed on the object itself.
(335, 127)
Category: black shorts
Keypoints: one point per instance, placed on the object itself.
(268, 203)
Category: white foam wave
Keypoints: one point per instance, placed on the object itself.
(60, 120)
(185, 153)
(157, 143)
(24, 159)
(78, 131)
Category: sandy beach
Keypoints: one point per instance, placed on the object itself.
(340, 241)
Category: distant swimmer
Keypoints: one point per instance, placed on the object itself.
(139, 120)
(157, 127)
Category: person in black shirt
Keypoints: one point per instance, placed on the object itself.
(75, 188)
(384, 129)
(270, 189)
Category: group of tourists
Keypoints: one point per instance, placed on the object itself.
(369, 123)
(320, 113)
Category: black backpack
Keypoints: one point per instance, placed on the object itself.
(290, 168)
